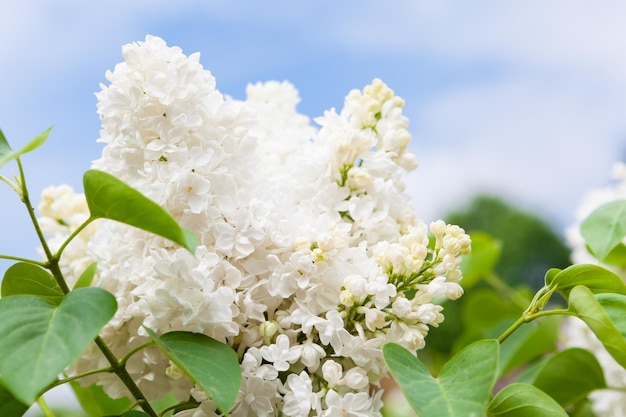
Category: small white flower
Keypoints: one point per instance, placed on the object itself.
(281, 354)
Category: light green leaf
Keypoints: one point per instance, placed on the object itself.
(9, 406)
(482, 260)
(96, 403)
(617, 256)
(28, 279)
(523, 400)
(7, 154)
(587, 307)
(86, 277)
(615, 307)
(605, 228)
(597, 279)
(464, 384)
(39, 340)
(213, 365)
(110, 198)
(570, 375)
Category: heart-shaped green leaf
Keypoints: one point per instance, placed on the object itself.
(7, 154)
(213, 365)
(39, 339)
(464, 384)
(9, 405)
(597, 279)
(586, 306)
(110, 198)
(605, 228)
(570, 375)
(523, 400)
(28, 279)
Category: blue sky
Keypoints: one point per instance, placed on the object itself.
(522, 99)
(525, 99)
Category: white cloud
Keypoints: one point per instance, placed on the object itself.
(544, 146)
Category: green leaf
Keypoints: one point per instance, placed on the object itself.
(39, 340)
(86, 277)
(617, 256)
(9, 406)
(523, 400)
(551, 274)
(464, 384)
(570, 375)
(213, 365)
(28, 279)
(134, 413)
(110, 198)
(7, 154)
(615, 307)
(587, 307)
(594, 277)
(605, 228)
(483, 259)
(528, 342)
(96, 403)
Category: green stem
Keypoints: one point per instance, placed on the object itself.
(53, 262)
(527, 318)
(508, 332)
(124, 376)
(72, 236)
(47, 412)
(187, 405)
(25, 260)
(79, 376)
(133, 351)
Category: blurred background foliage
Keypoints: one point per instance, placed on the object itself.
(512, 250)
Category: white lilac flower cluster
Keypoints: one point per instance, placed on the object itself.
(310, 254)
(606, 403)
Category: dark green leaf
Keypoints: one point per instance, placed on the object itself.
(9, 406)
(570, 375)
(587, 307)
(605, 228)
(597, 279)
(523, 400)
(96, 403)
(483, 259)
(134, 413)
(39, 340)
(110, 198)
(7, 154)
(28, 279)
(86, 277)
(464, 384)
(213, 365)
